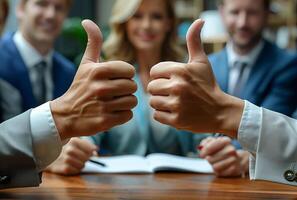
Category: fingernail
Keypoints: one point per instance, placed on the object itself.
(200, 147)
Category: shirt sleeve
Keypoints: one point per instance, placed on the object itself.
(46, 140)
(249, 132)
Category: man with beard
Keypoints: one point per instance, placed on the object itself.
(250, 68)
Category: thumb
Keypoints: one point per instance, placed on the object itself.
(94, 44)
(194, 44)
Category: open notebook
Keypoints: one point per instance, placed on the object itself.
(149, 164)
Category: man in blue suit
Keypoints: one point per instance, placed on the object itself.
(31, 71)
(253, 69)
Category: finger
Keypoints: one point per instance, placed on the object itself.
(159, 87)
(232, 171)
(94, 44)
(73, 151)
(75, 164)
(223, 165)
(206, 141)
(86, 147)
(114, 70)
(78, 155)
(123, 103)
(164, 117)
(228, 151)
(194, 44)
(160, 103)
(164, 70)
(244, 157)
(215, 146)
(108, 89)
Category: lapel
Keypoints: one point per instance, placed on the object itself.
(260, 70)
(220, 68)
(19, 75)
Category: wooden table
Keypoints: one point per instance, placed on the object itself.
(150, 186)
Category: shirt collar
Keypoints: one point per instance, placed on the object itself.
(249, 58)
(29, 54)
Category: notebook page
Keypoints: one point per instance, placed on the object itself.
(160, 162)
(118, 164)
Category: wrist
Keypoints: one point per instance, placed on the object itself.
(229, 115)
(60, 118)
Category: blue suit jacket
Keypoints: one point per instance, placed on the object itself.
(272, 81)
(14, 72)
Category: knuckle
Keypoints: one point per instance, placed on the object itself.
(181, 71)
(175, 104)
(101, 90)
(75, 141)
(69, 149)
(231, 151)
(178, 87)
(104, 69)
(104, 108)
(177, 120)
(103, 122)
(67, 159)
(95, 72)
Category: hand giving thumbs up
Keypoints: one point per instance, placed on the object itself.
(100, 96)
(186, 95)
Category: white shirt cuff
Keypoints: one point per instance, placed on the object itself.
(249, 132)
(250, 126)
(47, 144)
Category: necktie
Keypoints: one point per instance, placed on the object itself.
(239, 84)
(40, 81)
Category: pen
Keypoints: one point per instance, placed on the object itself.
(97, 162)
(218, 135)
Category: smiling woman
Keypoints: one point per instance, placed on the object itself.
(128, 15)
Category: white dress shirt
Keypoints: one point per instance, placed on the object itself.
(249, 59)
(31, 58)
(271, 138)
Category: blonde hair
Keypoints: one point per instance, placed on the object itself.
(118, 46)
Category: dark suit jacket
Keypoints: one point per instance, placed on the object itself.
(15, 73)
(272, 81)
